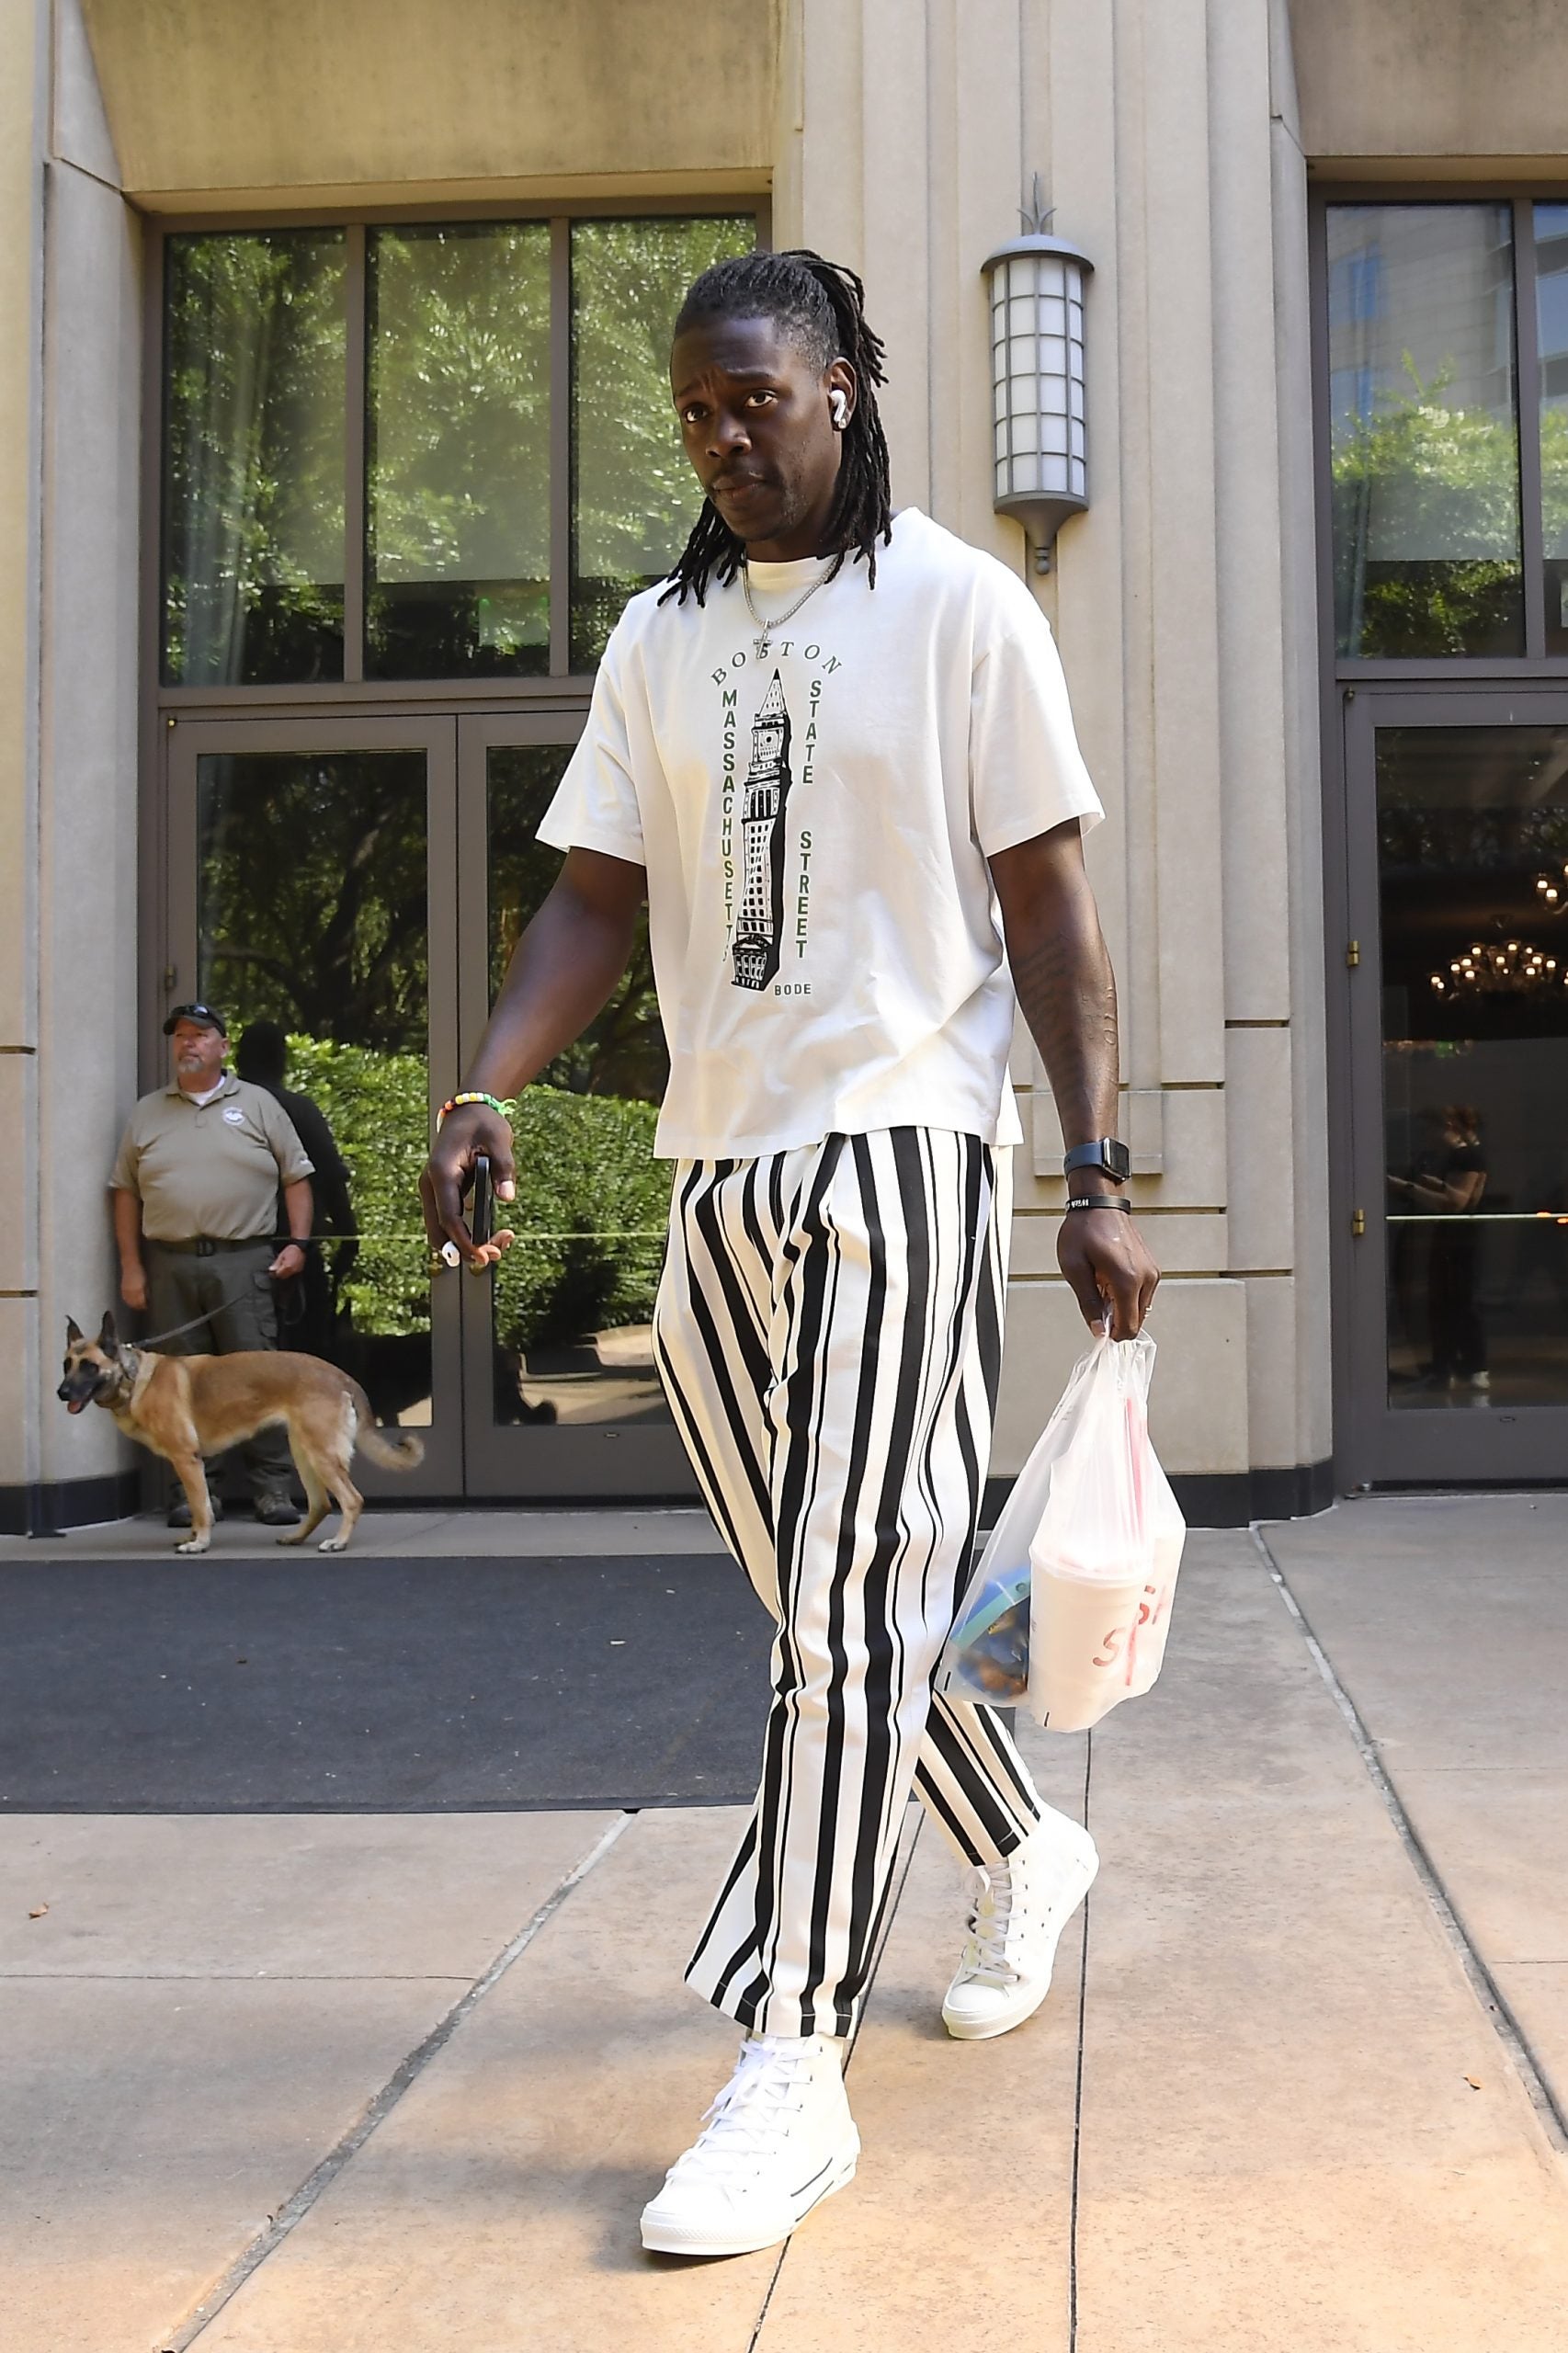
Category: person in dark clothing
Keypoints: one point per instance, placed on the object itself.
(1452, 1188)
(261, 1058)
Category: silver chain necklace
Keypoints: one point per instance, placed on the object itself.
(766, 629)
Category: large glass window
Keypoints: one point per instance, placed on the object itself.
(1424, 439)
(522, 473)
(633, 501)
(254, 389)
(457, 537)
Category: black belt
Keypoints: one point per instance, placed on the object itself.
(201, 1245)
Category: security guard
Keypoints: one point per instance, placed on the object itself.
(195, 1190)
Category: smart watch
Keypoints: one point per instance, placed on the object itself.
(1107, 1154)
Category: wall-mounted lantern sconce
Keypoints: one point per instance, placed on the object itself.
(1036, 373)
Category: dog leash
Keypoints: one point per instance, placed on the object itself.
(157, 1339)
(538, 1238)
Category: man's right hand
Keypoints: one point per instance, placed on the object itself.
(133, 1287)
(447, 1175)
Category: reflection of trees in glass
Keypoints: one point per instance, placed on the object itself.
(458, 450)
(1419, 472)
(587, 1174)
(634, 499)
(622, 1053)
(312, 913)
(1508, 845)
(457, 443)
(590, 1211)
(312, 893)
(253, 457)
(377, 1106)
(1554, 478)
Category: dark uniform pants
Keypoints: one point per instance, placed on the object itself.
(236, 1283)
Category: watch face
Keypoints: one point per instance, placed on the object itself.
(1108, 1152)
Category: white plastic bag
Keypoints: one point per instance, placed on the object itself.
(1092, 1532)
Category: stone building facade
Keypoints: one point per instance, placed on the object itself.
(1218, 161)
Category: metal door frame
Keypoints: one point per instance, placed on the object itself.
(441, 1473)
(557, 1463)
(1379, 1445)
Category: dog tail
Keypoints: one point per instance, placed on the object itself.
(394, 1449)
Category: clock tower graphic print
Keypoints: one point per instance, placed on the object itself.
(759, 927)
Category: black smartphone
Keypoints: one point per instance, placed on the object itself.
(480, 1215)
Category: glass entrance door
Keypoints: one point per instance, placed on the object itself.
(1459, 894)
(349, 892)
(312, 881)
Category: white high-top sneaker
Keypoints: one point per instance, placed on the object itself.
(1020, 1908)
(779, 2139)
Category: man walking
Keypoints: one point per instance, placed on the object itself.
(195, 1193)
(836, 753)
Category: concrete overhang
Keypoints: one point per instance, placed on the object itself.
(333, 102)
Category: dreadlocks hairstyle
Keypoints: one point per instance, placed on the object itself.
(820, 305)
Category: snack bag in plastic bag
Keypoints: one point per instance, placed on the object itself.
(988, 1651)
(1093, 1532)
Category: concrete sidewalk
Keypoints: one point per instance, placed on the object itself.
(416, 1535)
(359, 2084)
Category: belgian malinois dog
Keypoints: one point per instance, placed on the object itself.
(185, 1407)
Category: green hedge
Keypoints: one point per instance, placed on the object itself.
(585, 1173)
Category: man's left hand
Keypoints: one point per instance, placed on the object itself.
(1103, 1256)
(291, 1261)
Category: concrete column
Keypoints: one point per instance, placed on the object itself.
(1303, 768)
(1260, 1145)
(88, 834)
(1185, 606)
(895, 230)
(23, 90)
(68, 408)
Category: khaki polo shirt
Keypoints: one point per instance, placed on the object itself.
(210, 1169)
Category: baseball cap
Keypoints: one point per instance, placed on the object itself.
(207, 1015)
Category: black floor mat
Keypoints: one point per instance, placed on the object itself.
(401, 1686)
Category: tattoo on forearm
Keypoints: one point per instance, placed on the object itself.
(1067, 992)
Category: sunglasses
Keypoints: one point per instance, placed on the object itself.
(206, 1014)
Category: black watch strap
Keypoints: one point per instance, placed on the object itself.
(1107, 1154)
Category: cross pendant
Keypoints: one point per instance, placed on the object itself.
(763, 649)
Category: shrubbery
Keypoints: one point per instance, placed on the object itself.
(585, 1173)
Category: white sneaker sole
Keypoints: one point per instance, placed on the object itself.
(1028, 1998)
(675, 2238)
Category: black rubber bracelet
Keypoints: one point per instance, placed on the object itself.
(1099, 1202)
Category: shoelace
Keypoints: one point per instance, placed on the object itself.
(745, 2117)
(985, 1954)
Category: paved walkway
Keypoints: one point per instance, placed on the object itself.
(436, 1535)
(368, 2084)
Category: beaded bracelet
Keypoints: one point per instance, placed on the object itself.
(456, 1103)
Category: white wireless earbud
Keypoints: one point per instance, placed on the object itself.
(839, 404)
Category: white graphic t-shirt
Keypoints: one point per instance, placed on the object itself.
(815, 823)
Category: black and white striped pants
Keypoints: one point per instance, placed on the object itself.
(829, 1331)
